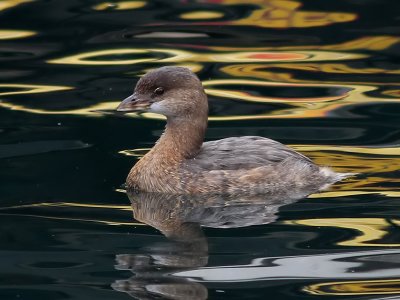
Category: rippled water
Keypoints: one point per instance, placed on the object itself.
(322, 76)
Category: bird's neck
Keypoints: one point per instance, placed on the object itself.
(182, 138)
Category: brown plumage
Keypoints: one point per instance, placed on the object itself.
(180, 163)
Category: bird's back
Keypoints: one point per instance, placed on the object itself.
(245, 152)
(253, 165)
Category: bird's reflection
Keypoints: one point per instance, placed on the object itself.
(180, 218)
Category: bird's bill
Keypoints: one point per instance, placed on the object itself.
(133, 103)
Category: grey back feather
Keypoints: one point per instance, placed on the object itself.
(245, 152)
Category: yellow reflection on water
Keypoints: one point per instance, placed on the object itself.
(198, 15)
(334, 68)
(373, 43)
(284, 14)
(298, 56)
(302, 107)
(245, 96)
(183, 56)
(345, 193)
(15, 34)
(120, 5)
(356, 96)
(380, 159)
(364, 160)
(369, 229)
(395, 151)
(100, 109)
(355, 287)
(6, 4)
(95, 110)
(262, 71)
(84, 58)
(393, 93)
(30, 89)
(252, 56)
(315, 107)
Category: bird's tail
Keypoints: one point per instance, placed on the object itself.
(333, 176)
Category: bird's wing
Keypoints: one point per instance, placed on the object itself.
(245, 152)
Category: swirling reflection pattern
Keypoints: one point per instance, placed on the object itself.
(356, 287)
(281, 14)
(324, 80)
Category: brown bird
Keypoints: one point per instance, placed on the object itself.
(181, 163)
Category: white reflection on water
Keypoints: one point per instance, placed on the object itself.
(323, 266)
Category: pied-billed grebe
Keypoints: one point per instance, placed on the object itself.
(180, 163)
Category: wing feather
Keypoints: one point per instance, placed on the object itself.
(245, 152)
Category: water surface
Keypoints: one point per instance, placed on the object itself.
(322, 76)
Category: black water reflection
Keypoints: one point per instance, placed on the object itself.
(322, 76)
(181, 218)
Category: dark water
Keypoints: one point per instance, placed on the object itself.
(322, 76)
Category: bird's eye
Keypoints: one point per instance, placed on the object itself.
(159, 91)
